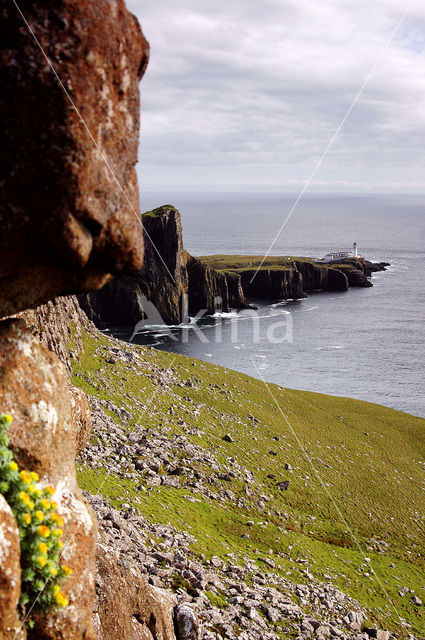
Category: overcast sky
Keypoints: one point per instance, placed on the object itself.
(246, 94)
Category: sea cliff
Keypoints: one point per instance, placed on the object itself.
(178, 283)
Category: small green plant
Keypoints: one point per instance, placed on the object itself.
(40, 529)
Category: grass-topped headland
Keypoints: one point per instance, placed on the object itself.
(239, 263)
(353, 512)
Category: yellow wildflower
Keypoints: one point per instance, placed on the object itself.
(25, 476)
(61, 599)
(56, 589)
(38, 492)
(57, 532)
(46, 504)
(7, 418)
(24, 497)
(34, 476)
(13, 466)
(67, 570)
(27, 518)
(41, 561)
(53, 505)
(43, 531)
(31, 488)
(30, 505)
(57, 518)
(42, 547)
(49, 490)
(60, 544)
(54, 572)
(39, 515)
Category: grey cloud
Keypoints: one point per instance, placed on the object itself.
(260, 87)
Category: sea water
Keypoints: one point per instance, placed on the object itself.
(365, 343)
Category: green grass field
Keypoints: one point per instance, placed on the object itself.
(238, 264)
(356, 477)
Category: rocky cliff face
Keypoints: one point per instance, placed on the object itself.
(176, 282)
(68, 148)
(170, 279)
(163, 278)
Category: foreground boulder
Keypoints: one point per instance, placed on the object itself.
(66, 223)
(34, 390)
(10, 574)
(128, 608)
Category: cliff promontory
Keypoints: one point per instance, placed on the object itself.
(181, 285)
(177, 283)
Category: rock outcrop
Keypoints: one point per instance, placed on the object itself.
(127, 607)
(359, 270)
(10, 574)
(207, 288)
(34, 390)
(69, 209)
(174, 281)
(269, 284)
(58, 325)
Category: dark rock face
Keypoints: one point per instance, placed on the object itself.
(170, 279)
(163, 278)
(66, 224)
(208, 288)
(316, 278)
(269, 284)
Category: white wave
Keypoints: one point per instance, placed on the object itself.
(333, 347)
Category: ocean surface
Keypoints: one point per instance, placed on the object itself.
(366, 343)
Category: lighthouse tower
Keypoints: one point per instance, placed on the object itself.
(355, 250)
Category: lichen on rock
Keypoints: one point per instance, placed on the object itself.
(68, 190)
(34, 388)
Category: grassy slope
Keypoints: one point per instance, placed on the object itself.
(370, 459)
(238, 264)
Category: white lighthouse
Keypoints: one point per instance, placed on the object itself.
(355, 250)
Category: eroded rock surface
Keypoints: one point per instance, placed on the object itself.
(81, 418)
(34, 390)
(58, 325)
(10, 573)
(128, 608)
(66, 224)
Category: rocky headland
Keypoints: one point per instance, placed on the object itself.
(171, 278)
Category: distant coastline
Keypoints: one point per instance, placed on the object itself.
(180, 285)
